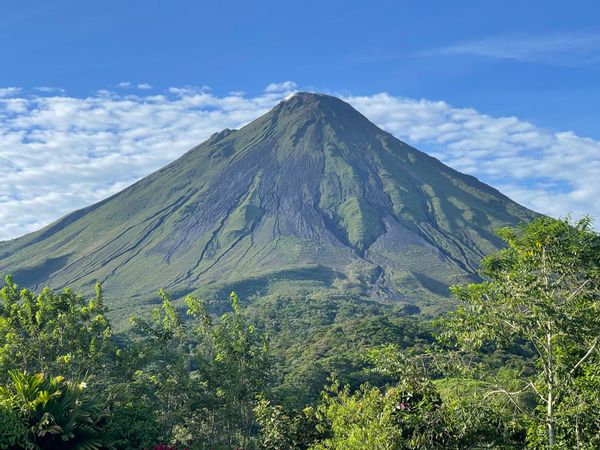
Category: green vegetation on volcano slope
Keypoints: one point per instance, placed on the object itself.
(516, 366)
(192, 381)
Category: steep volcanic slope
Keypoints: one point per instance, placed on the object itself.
(311, 195)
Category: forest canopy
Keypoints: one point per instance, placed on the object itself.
(515, 366)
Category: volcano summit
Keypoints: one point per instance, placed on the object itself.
(310, 196)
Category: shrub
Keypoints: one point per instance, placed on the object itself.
(55, 413)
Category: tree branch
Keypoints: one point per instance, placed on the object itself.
(586, 356)
(537, 392)
(502, 389)
(576, 291)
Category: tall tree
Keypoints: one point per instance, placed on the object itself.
(163, 375)
(544, 290)
(57, 333)
(237, 366)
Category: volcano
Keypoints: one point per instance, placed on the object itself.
(311, 196)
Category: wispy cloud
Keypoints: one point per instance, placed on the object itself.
(59, 153)
(565, 49)
(9, 91)
(49, 89)
(191, 90)
(286, 86)
(129, 85)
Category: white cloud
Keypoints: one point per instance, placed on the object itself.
(568, 49)
(286, 86)
(189, 90)
(129, 85)
(9, 91)
(49, 89)
(61, 153)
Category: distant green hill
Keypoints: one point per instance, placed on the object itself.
(311, 196)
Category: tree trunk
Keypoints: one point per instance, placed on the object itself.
(550, 410)
(550, 417)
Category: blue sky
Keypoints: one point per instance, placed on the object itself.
(517, 81)
(349, 46)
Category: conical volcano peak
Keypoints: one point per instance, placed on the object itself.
(323, 111)
(310, 98)
(311, 195)
(300, 102)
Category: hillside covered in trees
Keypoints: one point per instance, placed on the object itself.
(515, 366)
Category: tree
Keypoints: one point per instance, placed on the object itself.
(410, 414)
(235, 361)
(197, 378)
(366, 419)
(283, 430)
(543, 290)
(55, 333)
(160, 382)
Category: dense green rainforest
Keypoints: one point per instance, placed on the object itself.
(515, 366)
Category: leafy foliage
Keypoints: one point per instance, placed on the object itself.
(193, 381)
(515, 366)
(237, 367)
(12, 425)
(52, 333)
(411, 413)
(311, 336)
(56, 413)
(543, 289)
(281, 430)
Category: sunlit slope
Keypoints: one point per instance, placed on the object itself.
(309, 196)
